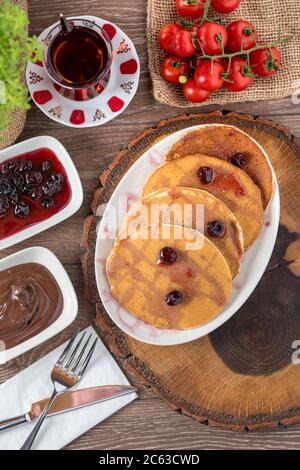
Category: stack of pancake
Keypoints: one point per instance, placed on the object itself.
(168, 269)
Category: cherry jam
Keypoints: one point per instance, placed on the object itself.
(33, 187)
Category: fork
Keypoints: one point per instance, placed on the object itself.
(65, 375)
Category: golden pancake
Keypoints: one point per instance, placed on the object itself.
(179, 206)
(183, 294)
(226, 142)
(229, 183)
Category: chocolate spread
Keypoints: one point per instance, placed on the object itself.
(30, 300)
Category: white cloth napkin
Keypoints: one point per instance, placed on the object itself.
(33, 384)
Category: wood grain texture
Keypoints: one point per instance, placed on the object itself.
(147, 423)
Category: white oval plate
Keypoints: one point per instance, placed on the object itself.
(70, 304)
(76, 188)
(253, 264)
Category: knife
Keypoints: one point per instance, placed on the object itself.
(70, 401)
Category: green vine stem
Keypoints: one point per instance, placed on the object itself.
(205, 13)
(230, 55)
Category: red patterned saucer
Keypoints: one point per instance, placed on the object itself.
(112, 101)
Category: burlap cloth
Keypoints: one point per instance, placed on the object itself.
(267, 16)
(18, 116)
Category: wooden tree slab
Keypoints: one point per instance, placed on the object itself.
(241, 376)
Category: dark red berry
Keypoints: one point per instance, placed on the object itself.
(47, 203)
(11, 165)
(4, 205)
(35, 193)
(16, 180)
(168, 255)
(205, 174)
(53, 185)
(14, 197)
(57, 177)
(33, 178)
(238, 159)
(24, 189)
(46, 165)
(174, 298)
(216, 228)
(49, 189)
(22, 209)
(4, 168)
(6, 186)
(25, 166)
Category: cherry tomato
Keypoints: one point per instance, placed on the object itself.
(211, 37)
(240, 75)
(193, 93)
(208, 75)
(182, 43)
(265, 62)
(241, 33)
(190, 8)
(225, 6)
(173, 67)
(165, 36)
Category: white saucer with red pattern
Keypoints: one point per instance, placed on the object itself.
(113, 100)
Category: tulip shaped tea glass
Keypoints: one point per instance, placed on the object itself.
(78, 61)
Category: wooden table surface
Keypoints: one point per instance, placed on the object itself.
(147, 423)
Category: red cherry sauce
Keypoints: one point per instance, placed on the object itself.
(10, 224)
(220, 181)
(227, 182)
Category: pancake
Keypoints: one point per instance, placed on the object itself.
(199, 277)
(230, 184)
(158, 205)
(226, 142)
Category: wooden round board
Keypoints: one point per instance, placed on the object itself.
(242, 375)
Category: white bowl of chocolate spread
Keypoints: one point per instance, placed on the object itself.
(37, 300)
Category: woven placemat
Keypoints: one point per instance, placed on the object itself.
(267, 16)
(18, 116)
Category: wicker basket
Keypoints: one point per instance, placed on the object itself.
(267, 15)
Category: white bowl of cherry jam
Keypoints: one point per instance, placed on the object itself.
(39, 188)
